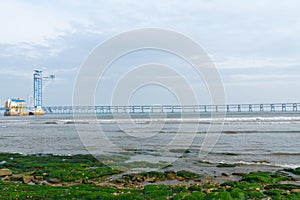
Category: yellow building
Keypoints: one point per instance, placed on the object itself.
(15, 107)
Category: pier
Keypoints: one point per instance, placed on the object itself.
(273, 107)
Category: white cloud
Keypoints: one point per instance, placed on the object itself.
(265, 77)
(244, 62)
(31, 23)
(16, 73)
(257, 36)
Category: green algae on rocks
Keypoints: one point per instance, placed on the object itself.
(84, 177)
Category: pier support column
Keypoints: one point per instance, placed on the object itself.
(283, 107)
(272, 107)
(239, 108)
(250, 108)
(261, 107)
(295, 107)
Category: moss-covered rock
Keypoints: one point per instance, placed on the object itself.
(156, 191)
(195, 196)
(226, 165)
(195, 188)
(294, 171)
(238, 193)
(263, 177)
(187, 175)
(282, 186)
(83, 177)
(218, 196)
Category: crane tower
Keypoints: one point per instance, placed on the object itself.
(38, 90)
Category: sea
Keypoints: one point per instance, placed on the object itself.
(261, 139)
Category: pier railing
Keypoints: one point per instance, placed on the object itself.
(273, 107)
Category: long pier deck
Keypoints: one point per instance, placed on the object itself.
(273, 107)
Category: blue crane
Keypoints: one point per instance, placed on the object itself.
(38, 89)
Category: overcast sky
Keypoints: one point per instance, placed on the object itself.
(254, 44)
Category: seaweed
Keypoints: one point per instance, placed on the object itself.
(84, 177)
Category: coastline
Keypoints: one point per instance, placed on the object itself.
(112, 177)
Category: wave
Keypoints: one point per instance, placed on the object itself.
(253, 163)
(259, 131)
(163, 119)
(256, 154)
(285, 154)
(271, 119)
(10, 121)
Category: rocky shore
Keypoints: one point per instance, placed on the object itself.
(84, 177)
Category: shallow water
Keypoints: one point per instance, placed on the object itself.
(265, 139)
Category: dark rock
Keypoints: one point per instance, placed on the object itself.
(226, 165)
(224, 174)
(187, 151)
(150, 180)
(54, 180)
(238, 174)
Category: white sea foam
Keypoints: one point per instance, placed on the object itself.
(256, 120)
(283, 165)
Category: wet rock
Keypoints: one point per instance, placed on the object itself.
(139, 179)
(224, 174)
(120, 187)
(19, 177)
(5, 172)
(238, 174)
(36, 181)
(66, 184)
(39, 178)
(198, 180)
(118, 180)
(170, 175)
(16, 177)
(187, 151)
(27, 179)
(54, 180)
(29, 173)
(47, 183)
(150, 180)
(6, 178)
(261, 161)
(226, 165)
(167, 166)
(295, 190)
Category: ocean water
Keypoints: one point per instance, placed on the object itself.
(260, 139)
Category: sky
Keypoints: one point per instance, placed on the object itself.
(255, 45)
